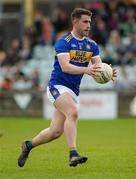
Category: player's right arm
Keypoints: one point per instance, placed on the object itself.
(62, 50)
(64, 61)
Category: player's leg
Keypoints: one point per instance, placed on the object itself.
(54, 131)
(66, 104)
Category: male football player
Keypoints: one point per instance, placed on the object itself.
(73, 52)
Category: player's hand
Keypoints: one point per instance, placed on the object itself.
(114, 74)
(94, 69)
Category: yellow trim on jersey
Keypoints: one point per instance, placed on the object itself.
(90, 40)
(55, 52)
(69, 37)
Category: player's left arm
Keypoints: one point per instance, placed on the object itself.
(97, 59)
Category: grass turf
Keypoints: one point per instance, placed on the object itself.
(109, 145)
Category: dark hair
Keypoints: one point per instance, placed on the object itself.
(78, 12)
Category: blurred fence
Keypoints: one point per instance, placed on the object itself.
(104, 103)
(26, 103)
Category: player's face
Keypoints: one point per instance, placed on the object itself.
(83, 25)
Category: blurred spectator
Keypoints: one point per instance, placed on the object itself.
(115, 45)
(130, 58)
(129, 24)
(2, 41)
(42, 30)
(113, 5)
(31, 33)
(13, 53)
(60, 21)
(107, 58)
(132, 45)
(38, 24)
(7, 84)
(1, 82)
(126, 81)
(26, 49)
(113, 22)
(35, 79)
(3, 53)
(100, 33)
(48, 31)
(21, 82)
(98, 8)
(3, 56)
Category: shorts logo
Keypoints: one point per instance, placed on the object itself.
(54, 92)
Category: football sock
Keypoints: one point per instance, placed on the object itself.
(29, 145)
(72, 152)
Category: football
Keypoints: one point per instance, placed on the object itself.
(105, 75)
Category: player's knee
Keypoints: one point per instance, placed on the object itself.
(73, 114)
(56, 133)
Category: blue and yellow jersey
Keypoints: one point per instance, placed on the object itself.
(81, 51)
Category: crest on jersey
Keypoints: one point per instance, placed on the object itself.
(88, 46)
(54, 92)
(80, 46)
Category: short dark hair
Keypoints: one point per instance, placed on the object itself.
(78, 12)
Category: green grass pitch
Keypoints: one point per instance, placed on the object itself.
(109, 145)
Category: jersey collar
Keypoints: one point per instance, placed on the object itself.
(80, 39)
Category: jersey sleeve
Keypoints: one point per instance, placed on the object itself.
(61, 47)
(95, 51)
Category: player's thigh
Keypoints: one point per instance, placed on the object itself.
(66, 104)
(58, 119)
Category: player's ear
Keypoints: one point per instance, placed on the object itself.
(74, 21)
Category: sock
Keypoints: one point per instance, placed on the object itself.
(72, 152)
(29, 145)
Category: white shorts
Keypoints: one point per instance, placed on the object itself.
(53, 92)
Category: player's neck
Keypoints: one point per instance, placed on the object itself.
(76, 35)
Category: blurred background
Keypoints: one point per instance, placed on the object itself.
(28, 31)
